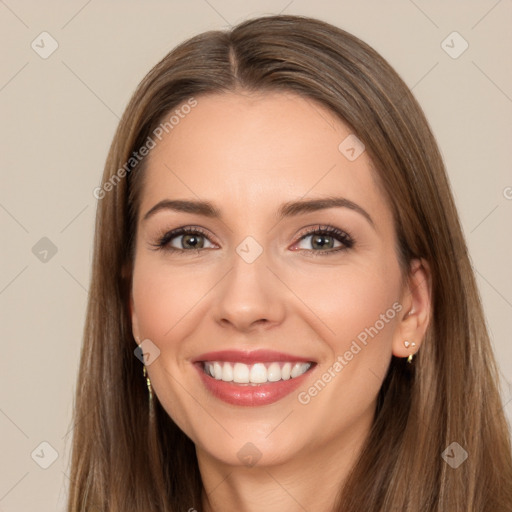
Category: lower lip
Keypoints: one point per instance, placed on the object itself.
(250, 394)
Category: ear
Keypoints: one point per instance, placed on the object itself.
(416, 300)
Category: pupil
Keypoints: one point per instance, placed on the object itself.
(195, 242)
(317, 241)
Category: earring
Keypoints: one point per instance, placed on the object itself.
(148, 383)
(408, 344)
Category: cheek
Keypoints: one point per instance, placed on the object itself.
(361, 310)
(355, 303)
(164, 296)
(152, 301)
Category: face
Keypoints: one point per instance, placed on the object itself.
(302, 298)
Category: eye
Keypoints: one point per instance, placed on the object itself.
(192, 240)
(323, 240)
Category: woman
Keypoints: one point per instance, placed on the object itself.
(227, 367)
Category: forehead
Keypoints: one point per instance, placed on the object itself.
(258, 150)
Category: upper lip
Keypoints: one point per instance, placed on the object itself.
(249, 357)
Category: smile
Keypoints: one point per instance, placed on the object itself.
(252, 378)
(258, 373)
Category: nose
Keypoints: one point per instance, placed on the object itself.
(250, 297)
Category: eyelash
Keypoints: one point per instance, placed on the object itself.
(342, 236)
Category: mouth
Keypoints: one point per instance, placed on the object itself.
(255, 374)
(252, 378)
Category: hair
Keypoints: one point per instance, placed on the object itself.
(130, 457)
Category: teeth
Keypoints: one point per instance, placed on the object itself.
(227, 372)
(296, 370)
(217, 371)
(285, 371)
(240, 373)
(274, 372)
(258, 373)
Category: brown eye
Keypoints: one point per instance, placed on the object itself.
(192, 239)
(321, 241)
(189, 241)
(326, 240)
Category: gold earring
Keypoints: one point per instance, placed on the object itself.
(148, 383)
(407, 345)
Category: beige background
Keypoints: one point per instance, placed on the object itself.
(58, 118)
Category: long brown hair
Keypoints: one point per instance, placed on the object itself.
(127, 459)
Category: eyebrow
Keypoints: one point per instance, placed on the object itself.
(289, 209)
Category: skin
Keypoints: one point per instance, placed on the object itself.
(247, 154)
